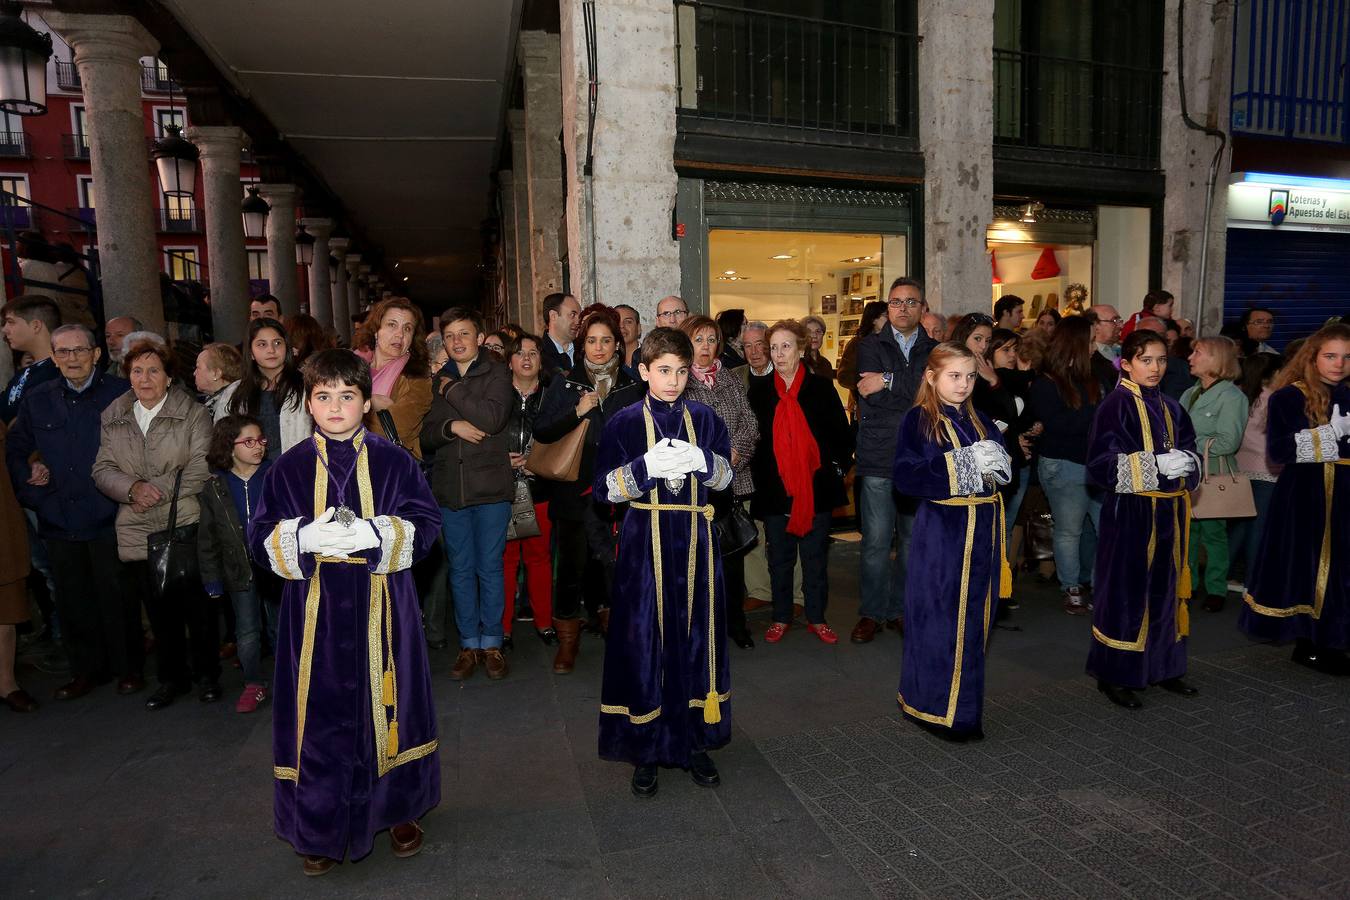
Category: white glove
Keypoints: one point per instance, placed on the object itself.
(363, 535)
(664, 461)
(1339, 423)
(1175, 464)
(691, 458)
(324, 537)
(989, 456)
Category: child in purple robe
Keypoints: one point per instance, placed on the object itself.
(1141, 451)
(342, 518)
(952, 457)
(664, 700)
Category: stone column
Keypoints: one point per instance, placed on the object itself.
(619, 245)
(353, 263)
(956, 133)
(366, 287)
(524, 274)
(320, 291)
(337, 248)
(281, 265)
(1186, 155)
(539, 61)
(108, 51)
(506, 181)
(226, 261)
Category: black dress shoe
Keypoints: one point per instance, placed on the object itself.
(549, 636)
(508, 643)
(211, 693)
(438, 644)
(1320, 659)
(744, 641)
(703, 771)
(947, 734)
(164, 695)
(1120, 696)
(644, 781)
(1177, 686)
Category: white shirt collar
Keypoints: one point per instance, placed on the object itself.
(145, 416)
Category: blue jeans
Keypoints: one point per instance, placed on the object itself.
(475, 539)
(248, 624)
(783, 551)
(882, 517)
(1013, 505)
(1074, 508)
(1244, 535)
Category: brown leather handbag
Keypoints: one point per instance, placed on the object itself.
(560, 460)
(1222, 495)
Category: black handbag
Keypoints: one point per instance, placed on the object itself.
(172, 553)
(524, 522)
(736, 531)
(386, 419)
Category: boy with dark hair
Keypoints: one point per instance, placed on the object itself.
(28, 325)
(1008, 312)
(342, 518)
(663, 700)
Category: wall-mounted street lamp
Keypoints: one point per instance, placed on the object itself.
(23, 63)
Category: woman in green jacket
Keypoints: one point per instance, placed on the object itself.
(1218, 409)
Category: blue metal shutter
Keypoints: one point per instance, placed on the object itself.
(1304, 276)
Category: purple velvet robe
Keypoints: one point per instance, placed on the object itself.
(950, 599)
(1139, 625)
(336, 782)
(666, 649)
(1282, 601)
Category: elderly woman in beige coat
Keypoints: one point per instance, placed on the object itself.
(149, 434)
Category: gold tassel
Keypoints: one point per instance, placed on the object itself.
(1004, 580)
(388, 687)
(1183, 618)
(1184, 583)
(393, 740)
(712, 709)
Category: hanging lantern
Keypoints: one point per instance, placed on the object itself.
(176, 161)
(23, 63)
(255, 215)
(304, 247)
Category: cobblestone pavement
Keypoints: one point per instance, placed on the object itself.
(1240, 792)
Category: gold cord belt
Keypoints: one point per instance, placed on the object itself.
(1005, 570)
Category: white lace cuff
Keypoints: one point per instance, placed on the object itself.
(621, 486)
(283, 550)
(721, 473)
(1315, 445)
(963, 472)
(396, 544)
(1136, 472)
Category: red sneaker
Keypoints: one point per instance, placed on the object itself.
(254, 695)
(775, 632)
(824, 632)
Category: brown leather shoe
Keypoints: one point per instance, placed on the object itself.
(495, 663)
(464, 665)
(569, 642)
(20, 701)
(406, 839)
(130, 684)
(865, 631)
(75, 688)
(318, 865)
(897, 625)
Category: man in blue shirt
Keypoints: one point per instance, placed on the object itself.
(890, 369)
(28, 325)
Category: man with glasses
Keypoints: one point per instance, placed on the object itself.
(1106, 323)
(1258, 324)
(671, 311)
(890, 369)
(50, 456)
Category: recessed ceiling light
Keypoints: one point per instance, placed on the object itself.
(783, 256)
(395, 265)
(729, 272)
(405, 277)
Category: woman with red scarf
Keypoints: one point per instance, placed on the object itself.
(805, 447)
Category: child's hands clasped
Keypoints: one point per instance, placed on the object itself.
(324, 537)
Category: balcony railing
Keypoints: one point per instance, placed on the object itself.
(67, 76)
(13, 144)
(75, 146)
(812, 80)
(84, 215)
(156, 80)
(180, 221)
(18, 216)
(1050, 108)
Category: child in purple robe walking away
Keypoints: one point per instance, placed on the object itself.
(342, 518)
(953, 458)
(664, 700)
(1141, 450)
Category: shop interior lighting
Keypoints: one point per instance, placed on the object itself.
(857, 259)
(783, 256)
(1030, 210)
(1303, 181)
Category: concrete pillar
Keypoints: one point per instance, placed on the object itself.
(1186, 156)
(539, 61)
(108, 50)
(353, 263)
(619, 245)
(320, 290)
(956, 132)
(337, 248)
(529, 302)
(226, 261)
(506, 181)
(281, 244)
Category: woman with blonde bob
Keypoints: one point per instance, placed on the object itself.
(1299, 587)
(952, 457)
(390, 339)
(1218, 410)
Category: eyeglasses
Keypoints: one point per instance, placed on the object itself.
(251, 442)
(1261, 322)
(68, 352)
(672, 313)
(910, 303)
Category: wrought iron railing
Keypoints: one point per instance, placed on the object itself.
(82, 217)
(155, 79)
(1289, 69)
(19, 214)
(814, 80)
(1076, 110)
(67, 76)
(75, 146)
(180, 221)
(13, 144)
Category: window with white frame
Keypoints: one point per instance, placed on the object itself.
(182, 263)
(166, 116)
(84, 188)
(15, 188)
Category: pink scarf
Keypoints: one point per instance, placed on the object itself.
(382, 380)
(707, 375)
